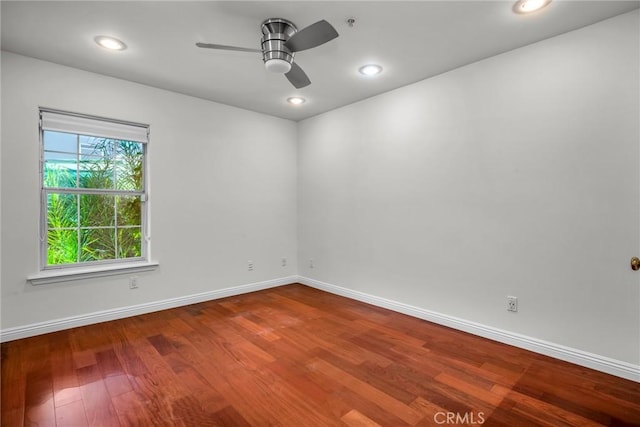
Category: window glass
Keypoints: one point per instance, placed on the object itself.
(93, 195)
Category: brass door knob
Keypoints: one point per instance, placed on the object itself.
(635, 263)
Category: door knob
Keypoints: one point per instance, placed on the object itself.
(635, 263)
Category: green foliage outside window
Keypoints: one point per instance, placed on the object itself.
(87, 225)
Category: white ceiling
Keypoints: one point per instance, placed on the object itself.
(412, 40)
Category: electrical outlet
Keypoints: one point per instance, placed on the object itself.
(512, 304)
(311, 263)
(133, 282)
(250, 265)
(284, 262)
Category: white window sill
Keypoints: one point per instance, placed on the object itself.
(66, 274)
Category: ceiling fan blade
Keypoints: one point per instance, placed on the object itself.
(297, 76)
(225, 47)
(311, 36)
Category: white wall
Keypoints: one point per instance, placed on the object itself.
(517, 175)
(221, 193)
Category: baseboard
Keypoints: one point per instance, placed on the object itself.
(572, 355)
(579, 357)
(34, 329)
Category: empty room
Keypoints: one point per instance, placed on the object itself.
(301, 213)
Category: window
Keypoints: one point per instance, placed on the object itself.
(93, 190)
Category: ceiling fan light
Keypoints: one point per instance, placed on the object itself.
(276, 65)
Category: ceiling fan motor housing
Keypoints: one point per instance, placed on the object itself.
(276, 56)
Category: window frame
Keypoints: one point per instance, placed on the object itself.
(107, 266)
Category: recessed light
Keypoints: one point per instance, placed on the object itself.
(296, 100)
(370, 70)
(110, 43)
(528, 6)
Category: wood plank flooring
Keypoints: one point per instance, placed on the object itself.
(296, 356)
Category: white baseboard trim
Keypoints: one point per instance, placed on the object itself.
(568, 354)
(578, 357)
(34, 329)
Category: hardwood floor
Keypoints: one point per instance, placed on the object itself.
(296, 356)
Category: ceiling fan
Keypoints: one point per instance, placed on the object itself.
(280, 42)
